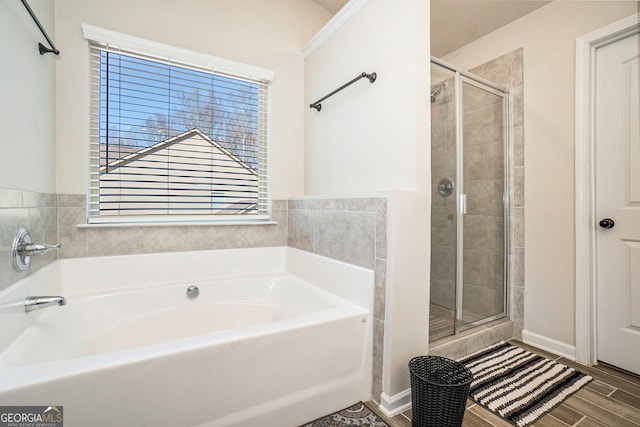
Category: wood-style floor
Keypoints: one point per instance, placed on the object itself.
(612, 399)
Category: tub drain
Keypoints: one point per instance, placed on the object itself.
(193, 291)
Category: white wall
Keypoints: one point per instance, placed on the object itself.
(372, 138)
(548, 37)
(26, 98)
(364, 139)
(265, 34)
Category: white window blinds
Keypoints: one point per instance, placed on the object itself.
(169, 140)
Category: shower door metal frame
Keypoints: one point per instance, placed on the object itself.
(460, 78)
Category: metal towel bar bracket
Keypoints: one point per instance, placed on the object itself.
(41, 48)
(372, 78)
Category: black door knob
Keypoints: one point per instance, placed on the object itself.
(607, 223)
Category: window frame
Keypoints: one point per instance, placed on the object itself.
(131, 45)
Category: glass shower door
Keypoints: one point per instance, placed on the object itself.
(469, 199)
(482, 283)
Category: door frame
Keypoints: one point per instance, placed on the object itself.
(585, 218)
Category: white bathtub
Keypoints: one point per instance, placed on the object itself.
(277, 337)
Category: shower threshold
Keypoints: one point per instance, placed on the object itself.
(470, 340)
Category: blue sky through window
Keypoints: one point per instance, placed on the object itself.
(143, 102)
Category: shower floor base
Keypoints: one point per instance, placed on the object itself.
(441, 322)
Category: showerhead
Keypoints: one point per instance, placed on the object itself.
(436, 91)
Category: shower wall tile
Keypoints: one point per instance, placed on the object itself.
(517, 303)
(518, 227)
(438, 236)
(498, 71)
(476, 231)
(443, 263)
(484, 161)
(475, 98)
(517, 67)
(505, 71)
(485, 197)
(480, 302)
(479, 125)
(518, 146)
(37, 213)
(518, 187)
(475, 266)
(443, 293)
(518, 266)
(495, 271)
(517, 96)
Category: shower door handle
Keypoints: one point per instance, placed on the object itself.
(463, 204)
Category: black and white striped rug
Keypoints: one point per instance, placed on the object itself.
(518, 385)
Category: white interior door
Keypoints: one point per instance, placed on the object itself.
(617, 154)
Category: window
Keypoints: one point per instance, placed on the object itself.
(170, 140)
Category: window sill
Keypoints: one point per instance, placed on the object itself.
(175, 224)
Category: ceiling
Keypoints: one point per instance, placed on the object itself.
(332, 6)
(455, 23)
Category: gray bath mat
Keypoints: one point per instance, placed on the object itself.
(520, 386)
(356, 415)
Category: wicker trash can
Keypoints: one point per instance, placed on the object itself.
(439, 390)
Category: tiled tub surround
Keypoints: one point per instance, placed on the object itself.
(37, 213)
(80, 242)
(352, 230)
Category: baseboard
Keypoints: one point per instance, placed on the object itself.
(549, 344)
(393, 405)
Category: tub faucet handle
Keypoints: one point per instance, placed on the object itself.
(37, 248)
(24, 249)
